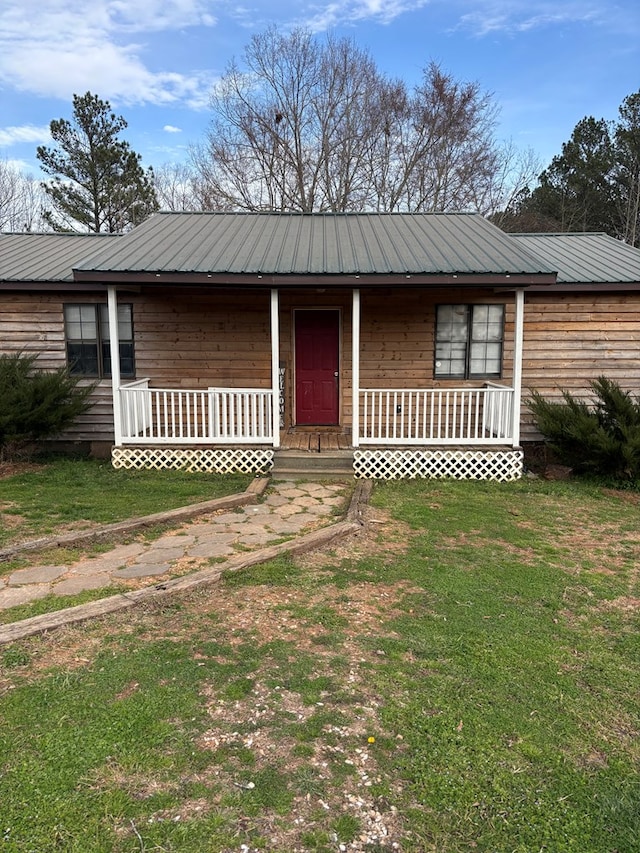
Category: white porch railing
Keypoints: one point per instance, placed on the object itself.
(178, 416)
(437, 416)
(241, 415)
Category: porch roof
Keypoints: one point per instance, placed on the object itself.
(234, 246)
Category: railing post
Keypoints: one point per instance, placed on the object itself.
(517, 367)
(355, 368)
(114, 343)
(275, 368)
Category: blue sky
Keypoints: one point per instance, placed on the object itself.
(547, 64)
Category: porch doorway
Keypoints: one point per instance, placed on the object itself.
(317, 358)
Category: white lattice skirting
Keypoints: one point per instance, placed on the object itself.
(500, 465)
(220, 461)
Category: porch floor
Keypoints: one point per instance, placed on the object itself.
(315, 439)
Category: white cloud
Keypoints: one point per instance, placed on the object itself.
(353, 11)
(54, 48)
(512, 16)
(26, 133)
(169, 128)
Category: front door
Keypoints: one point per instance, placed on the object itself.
(317, 342)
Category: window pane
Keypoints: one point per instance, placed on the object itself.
(126, 359)
(450, 359)
(125, 326)
(125, 336)
(127, 367)
(452, 329)
(82, 359)
(487, 323)
(104, 322)
(80, 321)
(452, 323)
(485, 359)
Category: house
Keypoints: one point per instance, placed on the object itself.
(399, 340)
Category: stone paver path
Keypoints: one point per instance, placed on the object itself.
(287, 510)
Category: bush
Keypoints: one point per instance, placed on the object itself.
(602, 438)
(35, 404)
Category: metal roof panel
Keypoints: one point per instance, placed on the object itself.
(46, 257)
(317, 244)
(585, 257)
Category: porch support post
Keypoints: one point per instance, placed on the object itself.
(355, 368)
(114, 344)
(275, 367)
(517, 365)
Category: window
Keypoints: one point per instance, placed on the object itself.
(469, 340)
(87, 337)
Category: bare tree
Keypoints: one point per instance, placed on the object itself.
(519, 170)
(21, 200)
(291, 131)
(437, 150)
(177, 187)
(314, 126)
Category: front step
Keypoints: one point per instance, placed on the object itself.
(300, 464)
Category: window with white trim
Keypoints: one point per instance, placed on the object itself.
(469, 341)
(87, 340)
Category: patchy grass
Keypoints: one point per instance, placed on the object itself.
(67, 494)
(52, 603)
(462, 675)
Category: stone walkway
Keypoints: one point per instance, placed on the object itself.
(288, 510)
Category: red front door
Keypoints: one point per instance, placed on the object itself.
(317, 352)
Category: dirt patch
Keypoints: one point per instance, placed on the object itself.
(12, 469)
(623, 604)
(625, 496)
(379, 536)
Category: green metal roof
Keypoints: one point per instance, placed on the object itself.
(315, 244)
(46, 257)
(584, 258)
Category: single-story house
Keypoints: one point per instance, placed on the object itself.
(401, 340)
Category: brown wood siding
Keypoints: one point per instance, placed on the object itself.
(192, 339)
(398, 338)
(34, 324)
(571, 339)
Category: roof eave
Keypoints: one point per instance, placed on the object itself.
(459, 279)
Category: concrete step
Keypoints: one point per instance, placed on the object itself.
(300, 463)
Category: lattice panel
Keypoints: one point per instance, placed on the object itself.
(219, 461)
(500, 465)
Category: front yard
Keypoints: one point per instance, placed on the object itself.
(462, 675)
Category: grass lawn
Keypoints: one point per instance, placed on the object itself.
(463, 675)
(47, 498)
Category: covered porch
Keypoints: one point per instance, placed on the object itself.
(440, 429)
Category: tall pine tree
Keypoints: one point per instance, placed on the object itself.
(98, 183)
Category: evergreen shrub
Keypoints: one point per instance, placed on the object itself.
(36, 404)
(600, 438)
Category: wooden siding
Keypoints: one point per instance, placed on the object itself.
(572, 338)
(195, 339)
(398, 338)
(34, 324)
